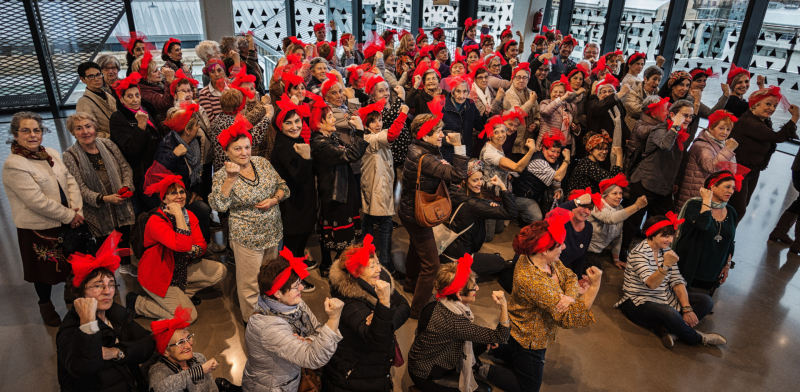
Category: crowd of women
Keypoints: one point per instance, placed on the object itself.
(460, 145)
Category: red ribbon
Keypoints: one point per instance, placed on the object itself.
(601, 65)
(296, 264)
(240, 126)
(471, 48)
(165, 49)
(285, 104)
(180, 75)
(708, 73)
(556, 232)
(124, 192)
(739, 172)
(671, 220)
(764, 93)
(524, 66)
(506, 31)
(538, 38)
(290, 80)
(488, 129)
(463, 271)
(360, 260)
(328, 83)
(736, 71)
(597, 199)
(319, 26)
(507, 44)
(164, 329)
(120, 86)
(178, 122)
(435, 105)
(366, 110)
(719, 115)
(108, 257)
(516, 113)
(662, 104)
(634, 57)
(562, 81)
(469, 23)
(372, 82)
(318, 103)
(682, 137)
(403, 33)
(500, 56)
(554, 31)
(568, 39)
(619, 180)
(421, 35)
(555, 135)
(454, 81)
(609, 79)
(147, 57)
(296, 41)
(421, 70)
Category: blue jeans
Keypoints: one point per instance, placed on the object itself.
(529, 210)
(655, 315)
(383, 241)
(528, 364)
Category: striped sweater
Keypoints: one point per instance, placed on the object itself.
(641, 264)
(209, 100)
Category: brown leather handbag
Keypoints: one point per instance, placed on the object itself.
(309, 382)
(431, 209)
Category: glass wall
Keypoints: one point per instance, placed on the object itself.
(444, 16)
(641, 27)
(588, 24)
(497, 14)
(553, 17)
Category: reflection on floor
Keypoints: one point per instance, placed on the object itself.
(753, 310)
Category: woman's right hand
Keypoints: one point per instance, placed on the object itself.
(86, 309)
(731, 144)
(113, 199)
(454, 138)
(174, 209)
(641, 202)
(670, 258)
(304, 150)
(180, 150)
(333, 307)
(356, 123)
(496, 182)
(232, 170)
(499, 298)
(210, 366)
(141, 119)
(384, 291)
(564, 303)
(706, 194)
(77, 220)
(567, 155)
(677, 120)
(417, 80)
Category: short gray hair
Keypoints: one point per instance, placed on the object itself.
(106, 60)
(317, 60)
(78, 116)
(651, 99)
(205, 48)
(680, 104)
(228, 43)
(16, 120)
(653, 70)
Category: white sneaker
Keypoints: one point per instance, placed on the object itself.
(129, 269)
(713, 339)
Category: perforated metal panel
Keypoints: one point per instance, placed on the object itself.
(21, 82)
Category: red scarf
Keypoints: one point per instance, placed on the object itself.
(682, 137)
(39, 155)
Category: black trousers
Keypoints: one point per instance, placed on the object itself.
(656, 205)
(795, 207)
(297, 243)
(741, 199)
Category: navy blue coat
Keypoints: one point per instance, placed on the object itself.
(463, 121)
(177, 165)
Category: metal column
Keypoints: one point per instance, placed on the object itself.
(357, 22)
(565, 16)
(751, 29)
(671, 37)
(291, 28)
(611, 31)
(37, 33)
(466, 9)
(416, 17)
(129, 15)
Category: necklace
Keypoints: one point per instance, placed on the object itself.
(549, 273)
(254, 181)
(718, 237)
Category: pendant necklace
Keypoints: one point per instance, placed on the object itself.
(718, 237)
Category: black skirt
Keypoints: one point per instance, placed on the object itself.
(340, 223)
(42, 261)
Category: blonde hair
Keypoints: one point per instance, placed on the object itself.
(175, 111)
(80, 116)
(137, 64)
(405, 45)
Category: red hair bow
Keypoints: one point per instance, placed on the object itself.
(485, 37)
(682, 137)
(121, 85)
(563, 81)
(421, 35)
(771, 91)
(421, 70)
(524, 66)
(331, 81)
(509, 43)
(318, 103)
(556, 232)
(454, 81)
(169, 42)
(435, 49)
(402, 34)
(180, 75)
(374, 45)
(459, 59)
(164, 329)
(296, 41)
(330, 53)
(506, 31)
(555, 135)
(437, 32)
(579, 68)
(736, 71)
(285, 104)
(516, 113)
(296, 264)
(108, 257)
(634, 57)
(178, 122)
(129, 42)
(544, 61)
(471, 48)
(240, 126)
(375, 107)
(739, 172)
(597, 199)
(568, 39)
(475, 67)
(500, 56)
(554, 31)
(672, 220)
(147, 57)
(435, 106)
(619, 180)
(158, 179)
(241, 78)
(601, 65)
(609, 79)
(662, 104)
(319, 26)
(360, 260)
(488, 129)
(463, 270)
(708, 73)
(538, 38)
(719, 115)
(290, 80)
(372, 82)
(469, 23)
(344, 39)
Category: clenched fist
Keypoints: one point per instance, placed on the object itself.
(304, 150)
(232, 169)
(333, 307)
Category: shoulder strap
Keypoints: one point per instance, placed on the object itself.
(419, 169)
(75, 157)
(98, 106)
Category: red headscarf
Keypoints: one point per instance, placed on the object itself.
(286, 105)
(555, 135)
(561, 82)
(579, 68)
(319, 26)
(568, 39)
(463, 270)
(360, 260)
(506, 31)
(318, 103)
(290, 80)
(609, 79)
(601, 65)
(179, 76)
(718, 116)
(736, 71)
(544, 61)
(597, 199)
(507, 44)
(488, 59)
(402, 34)
(459, 59)
(472, 48)
(331, 81)
(240, 126)
(178, 122)
(619, 180)
(437, 33)
(488, 129)
(708, 73)
(524, 66)
(344, 39)
(169, 42)
(129, 42)
(672, 220)
(296, 41)
(421, 70)
(108, 257)
(147, 57)
(373, 45)
(158, 179)
(469, 23)
(164, 329)
(597, 139)
(538, 38)
(545, 30)
(211, 63)
(421, 35)
(516, 113)
(435, 105)
(663, 105)
(556, 232)
(372, 82)
(241, 78)
(330, 53)
(634, 57)
(771, 91)
(296, 264)
(121, 85)
(454, 81)
(739, 172)
(375, 107)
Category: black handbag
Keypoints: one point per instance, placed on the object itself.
(76, 239)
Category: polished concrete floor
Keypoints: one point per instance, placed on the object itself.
(754, 311)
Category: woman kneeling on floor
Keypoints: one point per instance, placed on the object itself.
(655, 292)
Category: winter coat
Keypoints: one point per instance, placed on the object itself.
(377, 176)
(552, 118)
(163, 379)
(332, 158)
(599, 120)
(700, 163)
(661, 161)
(365, 356)
(641, 130)
(159, 96)
(299, 212)
(462, 121)
(633, 103)
(474, 211)
(102, 106)
(161, 241)
(433, 172)
(276, 356)
(136, 145)
(178, 165)
(757, 140)
(417, 102)
(541, 88)
(81, 366)
(514, 98)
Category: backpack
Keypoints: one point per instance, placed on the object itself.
(137, 231)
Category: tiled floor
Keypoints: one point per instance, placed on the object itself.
(753, 310)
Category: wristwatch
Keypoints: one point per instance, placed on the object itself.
(578, 202)
(120, 355)
(663, 267)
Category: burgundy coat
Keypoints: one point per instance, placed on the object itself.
(704, 154)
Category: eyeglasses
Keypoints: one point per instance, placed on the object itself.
(95, 76)
(26, 131)
(495, 66)
(115, 69)
(100, 287)
(297, 286)
(521, 78)
(176, 193)
(481, 78)
(189, 339)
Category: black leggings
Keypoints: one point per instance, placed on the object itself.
(43, 290)
(297, 243)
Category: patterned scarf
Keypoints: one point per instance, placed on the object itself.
(466, 380)
(299, 321)
(39, 155)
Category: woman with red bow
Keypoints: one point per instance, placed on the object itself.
(706, 240)
(739, 81)
(172, 55)
(249, 189)
(373, 311)
(639, 91)
(560, 111)
(470, 31)
(283, 335)
(155, 85)
(632, 67)
(758, 141)
(547, 296)
(607, 221)
(444, 355)
(605, 113)
(590, 170)
(654, 291)
(172, 241)
(135, 45)
(99, 347)
(656, 173)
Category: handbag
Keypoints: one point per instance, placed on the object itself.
(398, 354)
(309, 382)
(431, 209)
(444, 236)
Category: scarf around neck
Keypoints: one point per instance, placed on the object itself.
(714, 205)
(720, 143)
(192, 157)
(485, 96)
(40, 155)
(297, 318)
(92, 181)
(466, 381)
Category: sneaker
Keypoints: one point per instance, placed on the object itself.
(129, 269)
(713, 339)
(216, 248)
(308, 286)
(311, 264)
(666, 338)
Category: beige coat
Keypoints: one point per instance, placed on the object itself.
(514, 98)
(32, 191)
(101, 109)
(377, 175)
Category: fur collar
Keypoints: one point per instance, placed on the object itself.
(349, 287)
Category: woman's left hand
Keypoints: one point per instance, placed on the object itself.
(266, 204)
(564, 303)
(110, 353)
(724, 275)
(690, 319)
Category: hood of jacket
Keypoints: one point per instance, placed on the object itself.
(356, 288)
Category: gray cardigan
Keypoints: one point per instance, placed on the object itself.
(661, 162)
(164, 379)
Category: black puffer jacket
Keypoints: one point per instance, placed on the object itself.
(365, 355)
(475, 211)
(136, 145)
(433, 172)
(80, 356)
(332, 158)
(758, 141)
